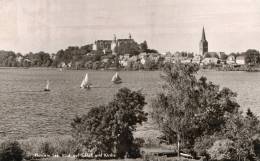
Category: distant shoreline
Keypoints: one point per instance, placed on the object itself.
(69, 69)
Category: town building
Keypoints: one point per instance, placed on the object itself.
(209, 57)
(241, 60)
(210, 60)
(110, 45)
(231, 59)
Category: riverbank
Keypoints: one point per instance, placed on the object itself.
(156, 159)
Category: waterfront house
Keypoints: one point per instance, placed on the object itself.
(19, 58)
(231, 59)
(150, 57)
(241, 60)
(210, 60)
(143, 57)
(123, 59)
(211, 55)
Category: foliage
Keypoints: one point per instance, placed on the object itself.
(11, 151)
(61, 145)
(128, 48)
(222, 150)
(150, 64)
(109, 128)
(252, 57)
(8, 59)
(46, 148)
(40, 59)
(188, 107)
(144, 46)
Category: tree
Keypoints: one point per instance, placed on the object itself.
(144, 46)
(150, 64)
(252, 56)
(188, 107)
(109, 128)
(11, 151)
(128, 48)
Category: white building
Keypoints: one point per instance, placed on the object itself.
(231, 59)
(240, 60)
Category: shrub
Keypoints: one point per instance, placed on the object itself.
(222, 150)
(11, 151)
(46, 148)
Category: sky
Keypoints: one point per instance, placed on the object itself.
(166, 25)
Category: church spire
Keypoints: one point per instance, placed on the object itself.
(203, 43)
(203, 38)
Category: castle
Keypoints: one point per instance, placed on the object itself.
(110, 45)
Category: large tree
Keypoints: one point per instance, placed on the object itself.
(252, 57)
(109, 128)
(131, 48)
(188, 107)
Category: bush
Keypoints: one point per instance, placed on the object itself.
(11, 151)
(46, 148)
(222, 150)
(58, 145)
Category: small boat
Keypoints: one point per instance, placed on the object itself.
(116, 79)
(85, 84)
(47, 89)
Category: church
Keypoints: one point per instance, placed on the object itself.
(208, 57)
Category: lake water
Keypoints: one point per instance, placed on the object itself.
(28, 111)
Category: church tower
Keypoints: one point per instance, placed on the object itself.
(203, 43)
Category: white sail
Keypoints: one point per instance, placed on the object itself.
(85, 82)
(116, 78)
(47, 84)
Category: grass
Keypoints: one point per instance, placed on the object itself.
(139, 159)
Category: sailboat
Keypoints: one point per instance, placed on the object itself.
(85, 84)
(116, 79)
(47, 86)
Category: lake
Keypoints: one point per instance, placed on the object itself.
(27, 111)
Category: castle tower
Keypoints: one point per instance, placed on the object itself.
(203, 43)
(94, 47)
(113, 45)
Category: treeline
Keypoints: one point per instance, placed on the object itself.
(73, 57)
(11, 59)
